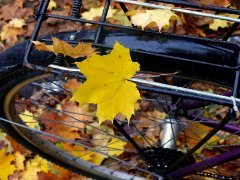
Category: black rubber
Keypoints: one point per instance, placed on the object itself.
(160, 53)
(40, 147)
(12, 72)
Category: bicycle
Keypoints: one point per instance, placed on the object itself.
(162, 157)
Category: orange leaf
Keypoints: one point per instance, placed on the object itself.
(62, 47)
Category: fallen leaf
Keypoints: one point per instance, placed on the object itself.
(72, 84)
(54, 125)
(76, 116)
(29, 119)
(150, 18)
(5, 164)
(217, 23)
(6, 141)
(17, 23)
(114, 148)
(62, 47)
(196, 132)
(52, 5)
(15, 10)
(34, 166)
(100, 136)
(56, 172)
(77, 151)
(97, 12)
(121, 18)
(235, 3)
(111, 90)
(19, 161)
(17, 147)
(10, 34)
(64, 11)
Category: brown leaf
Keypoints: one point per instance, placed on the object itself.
(15, 10)
(76, 116)
(10, 34)
(18, 147)
(62, 47)
(235, 3)
(72, 84)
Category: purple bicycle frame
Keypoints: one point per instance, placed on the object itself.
(216, 160)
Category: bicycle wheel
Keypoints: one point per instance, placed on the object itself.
(44, 120)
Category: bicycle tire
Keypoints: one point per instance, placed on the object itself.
(14, 84)
(17, 135)
(11, 86)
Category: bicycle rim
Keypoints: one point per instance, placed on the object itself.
(72, 135)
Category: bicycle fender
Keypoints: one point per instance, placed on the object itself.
(160, 53)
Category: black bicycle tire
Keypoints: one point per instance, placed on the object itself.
(10, 82)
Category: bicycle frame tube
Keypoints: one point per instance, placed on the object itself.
(225, 157)
(211, 123)
(205, 164)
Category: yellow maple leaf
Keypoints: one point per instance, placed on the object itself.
(19, 161)
(62, 47)
(100, 135)
(11, 31)
(17, 23)
(30, 121)
(218, 23)
(107, 83)
(161, 18)
(5, 164)
(196, 132)
(34, 166)
(114, 148)
(52, 5)
(77, 151)
(97, 12)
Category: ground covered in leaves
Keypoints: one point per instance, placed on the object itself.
(17, 23)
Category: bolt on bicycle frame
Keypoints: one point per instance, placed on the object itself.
(41, 15)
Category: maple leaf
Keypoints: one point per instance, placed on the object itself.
(52, 5)
(161, 18)
(11, 31)
(5, 164)
(77, 151)
(72, 84)
(101, 134)
(28, 118)
(235, 3)
(76, 115)
(121, 18)
(15, 10)
(107, 83)
(57, 128)
(196, 132)
(34, 166)
(97, 12)
(19, 161)
(62, 47)
(218, 23)
(7, 143)
(114, 148)
(17, 23)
